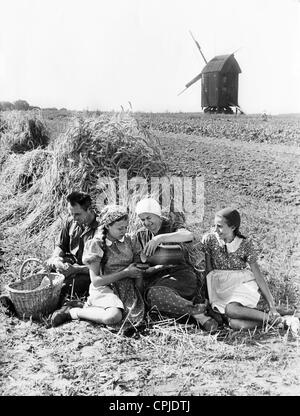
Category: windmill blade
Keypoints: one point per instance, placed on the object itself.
(198, 46)
(191, 82)
(236, 50)
(181, 92)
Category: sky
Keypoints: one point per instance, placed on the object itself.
(103, 54)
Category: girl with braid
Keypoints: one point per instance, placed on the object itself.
(114, 299)
(234, 277)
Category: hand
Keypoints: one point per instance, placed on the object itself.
(154, 269)
(134, 272)
(151, 246)
(55, 263)
(66, 269)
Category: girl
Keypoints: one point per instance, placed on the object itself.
(232, 287)
(113, 297)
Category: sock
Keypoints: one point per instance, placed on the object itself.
(74, 313)
(201, 318)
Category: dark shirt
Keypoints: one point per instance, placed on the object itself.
(73, 237)
(181, 277)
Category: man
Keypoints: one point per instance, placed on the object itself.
(171, 290)
(67, 255)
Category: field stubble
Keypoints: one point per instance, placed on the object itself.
(171, 358)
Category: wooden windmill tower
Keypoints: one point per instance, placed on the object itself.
(219, 83)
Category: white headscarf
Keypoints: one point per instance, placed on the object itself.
(148, 205)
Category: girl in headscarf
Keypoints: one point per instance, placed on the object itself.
(233, 288)
(114, 299)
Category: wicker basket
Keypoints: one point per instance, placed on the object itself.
(29, 299)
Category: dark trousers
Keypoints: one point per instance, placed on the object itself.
(75, 286)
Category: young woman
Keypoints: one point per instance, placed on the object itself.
(233, 287)
(113, 296)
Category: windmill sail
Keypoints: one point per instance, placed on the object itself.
(198, 46)
(191, 82)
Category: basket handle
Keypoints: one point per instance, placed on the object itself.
(24, 264)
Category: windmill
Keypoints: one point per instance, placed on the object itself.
(219, 83)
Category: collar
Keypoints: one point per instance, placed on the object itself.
(92, 226)
(109, 242)
(234, 244)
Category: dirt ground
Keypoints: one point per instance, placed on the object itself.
(177, 360)
(171, 358)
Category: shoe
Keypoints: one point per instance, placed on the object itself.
(207, 323)
(7, 304)
(62, 315)
(217, 316)
(210, 325)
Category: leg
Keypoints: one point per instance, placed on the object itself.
(167, 301)
(235, 310)
(107, 316)
(238, 324)
(75, 286)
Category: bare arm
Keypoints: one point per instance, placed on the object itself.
(99, 279)
(262, 284)
(57, 261)
(77, 268)
(180, 236)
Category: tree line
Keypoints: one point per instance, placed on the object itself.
(16, 105)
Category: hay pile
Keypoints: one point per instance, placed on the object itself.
(22, 132)
(105, 144)
(34, 184)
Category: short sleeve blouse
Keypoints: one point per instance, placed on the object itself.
(221, 259)
(92, 251)
(118, 254)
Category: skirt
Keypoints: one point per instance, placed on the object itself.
(134, 307)
(103, 297)
(226, 286)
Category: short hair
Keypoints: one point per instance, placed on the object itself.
(81, 198)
